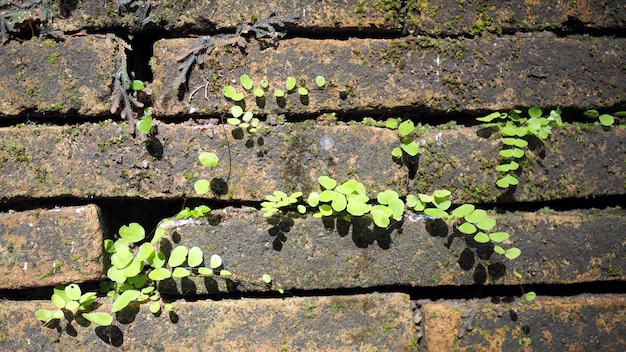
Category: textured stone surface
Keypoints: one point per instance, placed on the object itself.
(104, 161)
(583, 323)
(412, 74)
(92, 160)
(53, 78)
(49, 247)
(311, 254)
(373, 322)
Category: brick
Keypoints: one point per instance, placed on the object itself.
(410, 75)
(372, 322)
(311, 254)
(104, 161)
(48, 247)
(583, 323)
(35, 70)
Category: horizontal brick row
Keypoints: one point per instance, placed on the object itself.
(311, 254)
(102, 160)
(583, 323)
(48, 247)
(334, 323)
(411, 75)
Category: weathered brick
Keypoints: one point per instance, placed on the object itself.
(413, 74)
(311, 254)
(52, 78)
(583, 323)
(373, 322)
(48, 247)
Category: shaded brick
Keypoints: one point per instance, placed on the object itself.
(48, 247)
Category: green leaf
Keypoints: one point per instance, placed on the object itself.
(620, 114)
(357, 208)
(411, 200)
(380, 215)
(591, 114)
(518, 153)
(301, 209)
(406, 128)
(534, 112)
(205, 271)
(114, 274)
(137, 85)
(238, 97)
(158, 234)
(157, 261)
(59, 300)
(486, 224)
(195, 257)
(133, 269)
(209, 160)
(387, 196)
(265, 83)
(229, 91)
(279, 93)
(291, 83)
(462, 210)
(133, 232)
(339, 203)
(410, 148)
(72, 291)
(215, 261)
(328, 195)
(606, 120)
(489, 118)
(72, 306)
(303, 91)
(467, 228)
(160, 274)
(109, 246)
(124, 299)
(313, 199)
(327, 182)
(326, 209)
(177, 256)
(225, 273)
(507, 181)
(396, 152)
(145, 124)
(442, 203)
(122, 257)
(267, 278)
(518, 275)
(99, 318)
(145, 251)
(201, 186)
(512, 253)
(320, 81)
(236, 111)
(45, 315)
(259, 93)
(476, 216)
(392, 123)
(438, 213)
(498, 250)
(530, 296)
(441, 193)
(155, 307)
(499, 236)
(246, 81)
(180, 272)
(481, 237)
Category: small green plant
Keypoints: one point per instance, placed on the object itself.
(290, 84)
(145, 125)
(606, 120)
(208, 160)
(320, 81)
(195, 213)
(405, 131)
(515, 129)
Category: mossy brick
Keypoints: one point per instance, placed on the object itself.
(580, 323)
(104, 161)
(49, 78)
(92, 160)
(48, 247)
(409, 75)
(369, 322)
(320, 254)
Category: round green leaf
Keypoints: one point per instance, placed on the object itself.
(259, 93)
(58, 300)
(225, 273)
(328, 195)
(267, 278)
(441, 193)
(133, 232)
(467, 228)
(145, 124)
(379, 215)
(109, 246)
(437, 213)
(177, 256)
(357, 208)
(397, 208)
(279, 93)
(463, 210)
(133, 269)
(486, 224)
(339, 203)
(195, 257)
(205, 271)
(534, 112)
(406, 128)
(72, 291)
(386, 196)
(411, 200)
(208, 159)
(229, 91)
(499, 236)
(116, 275)
(72, 306)
(481, 237)
(215, 261)
(530, 296)
(157, 260)
(201, 186)
(124, 299)
(180, 272)
(512, 253)
(159, 274)
(291, 83)
(158, 234)
(45, 315)
(396, 152)
(591, 114)
(327, 182)
(238, 97)
(99, 318)
(517, 153)
(320, 81)
(265, 83)
(155, 307)
(326, 209)
(145, 251)
(236, 111)
(246, 82)
(410, 148)
(313, 199)
(607, 120)
(303, 91)
(499, 250)
(476, 216)
(137, 85)
(122, 257)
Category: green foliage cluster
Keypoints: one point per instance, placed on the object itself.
(515, 131)
(606, 120)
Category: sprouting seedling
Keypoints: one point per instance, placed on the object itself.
(408, 145)
(265, 84)
(137, 85)
(290, 84)
(303, 91)
(528, 296)
(209, 160)
(231, 93)
(145, 124)
(246, 81)
(320, 81)
(605, 120)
